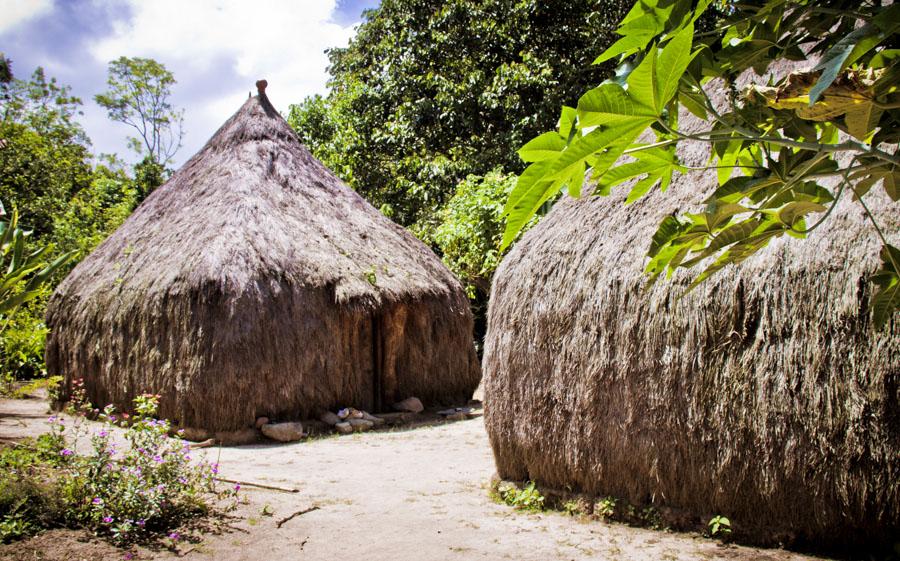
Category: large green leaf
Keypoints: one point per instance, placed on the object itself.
(794, 211)
(16, 300)
(645, 20)
(658, 164)
(635, 41)
(733, 234)
(672, 63)
(642, 82)
(613, 139)
(668, 229)
(886, 301)
(610, 103)
(542, 180)
(862, 118)
(545, 146)
(888, 175)
(567, 120)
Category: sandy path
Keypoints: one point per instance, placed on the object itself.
(413, 494)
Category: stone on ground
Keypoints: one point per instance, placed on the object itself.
(283, 432)
(410, 404)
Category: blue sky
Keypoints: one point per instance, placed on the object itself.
(217, 49)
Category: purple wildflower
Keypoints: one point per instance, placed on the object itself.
(158, 459)
(97, 501)
(107, 519)
(174, 536)
(66, 452)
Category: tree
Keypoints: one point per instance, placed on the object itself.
(138, 95)
(783, 141)
(45, 156)
(430, 92)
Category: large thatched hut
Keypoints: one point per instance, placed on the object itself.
(255, 283)
(764, 395)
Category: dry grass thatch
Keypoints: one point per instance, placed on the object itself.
(255, 283)
(763, 395)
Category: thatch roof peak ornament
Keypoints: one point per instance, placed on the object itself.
(256, 283)
(261, 86)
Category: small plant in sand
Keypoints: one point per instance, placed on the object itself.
(719, 526)
(605, 508)
(527, 498)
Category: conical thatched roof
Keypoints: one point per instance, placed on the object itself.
(254, 282)
(764, 395)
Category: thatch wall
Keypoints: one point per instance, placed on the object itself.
(764, 395)
(255, 283)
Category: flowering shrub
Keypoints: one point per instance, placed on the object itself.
(134, 492)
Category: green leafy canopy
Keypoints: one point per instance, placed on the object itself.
(773, 148)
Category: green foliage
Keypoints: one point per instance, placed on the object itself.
(97, 210)
(470, 229)
(24, 270)
(44, 158)
(148, 175)
(22, 342)
(138, 96)
(428, 93)
(28, 499)
(605, 508)
(719, 526)
(138, 493)
(51, 384)
(527, 498)
(782, 139)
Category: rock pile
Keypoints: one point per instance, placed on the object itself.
(349, 420)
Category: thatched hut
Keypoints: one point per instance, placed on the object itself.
(764, 395)
(255, 283)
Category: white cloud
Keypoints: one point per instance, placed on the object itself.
(14, 12)
(282, 41)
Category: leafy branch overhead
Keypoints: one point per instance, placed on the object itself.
(784, 152)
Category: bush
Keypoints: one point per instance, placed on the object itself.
(471, 227)
(22, 342)
(142, 491)
(28, 501)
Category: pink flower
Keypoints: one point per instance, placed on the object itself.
(97, 501)
(66, 452)
(174, 536)
(237, 487)
(107, 519)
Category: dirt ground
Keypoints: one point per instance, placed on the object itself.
(417, 493)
